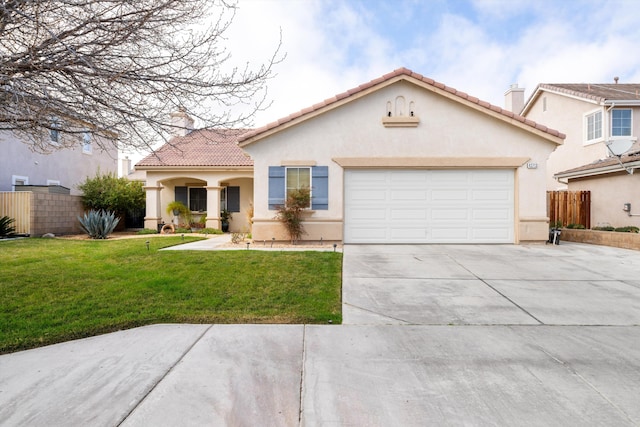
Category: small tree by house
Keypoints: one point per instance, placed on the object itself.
(109, 193)
(290, 214)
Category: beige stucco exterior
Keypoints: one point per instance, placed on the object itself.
(567, 114)
(160, 190)
(444, 132)
(608, 195)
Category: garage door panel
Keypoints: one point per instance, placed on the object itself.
(449, 214)
(409, 214)
(368, 214)
(491, 195)
(429, 206)
(446, 195)
(408, 234)
(405, 194)
(488, 214)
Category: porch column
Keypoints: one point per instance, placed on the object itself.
(213, 207)
(152, 215)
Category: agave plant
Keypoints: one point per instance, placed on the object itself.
(6, 229)
(98, 224)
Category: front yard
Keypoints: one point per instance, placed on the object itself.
(54, 290)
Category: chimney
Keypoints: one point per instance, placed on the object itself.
(514, 99)
(126, 166)
(181, 123)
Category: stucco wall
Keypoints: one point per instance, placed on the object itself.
(608, 195)
(68, 166)
(167, 180)
(566, 115)
(446, 129)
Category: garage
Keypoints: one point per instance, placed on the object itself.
(429, 206)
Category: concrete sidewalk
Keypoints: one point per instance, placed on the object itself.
(433, 335)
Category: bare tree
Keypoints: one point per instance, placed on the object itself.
(118, 68)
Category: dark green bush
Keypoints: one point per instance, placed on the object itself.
(576, 226)
(147, 231)
(110, 193)
(98, 224)
(6, 229)
(603, 228)
(627, 229)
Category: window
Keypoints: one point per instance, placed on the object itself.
(230, 199)
(621, 122)
(53, 182)
(197, 199)
(54, 132)
(297, 178)
(594, 126)
(86, 143)
(284, 179)
(19, 180)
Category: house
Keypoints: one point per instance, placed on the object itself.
(405, 159)
(204, 169)
(64, 167)
(400, 159)
(593, 115)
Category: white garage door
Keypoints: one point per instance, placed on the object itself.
(429, 206)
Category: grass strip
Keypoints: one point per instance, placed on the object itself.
(55, 290)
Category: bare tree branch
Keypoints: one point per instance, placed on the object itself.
(118, 68)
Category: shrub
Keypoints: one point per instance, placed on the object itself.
(147, 231)
(110, 193)
(627, 229)
(212, 231)
(6, 229)
(99, 224)
(182, 210)
(603, 228)
(290, 214)
(576, 226)
(555, 224)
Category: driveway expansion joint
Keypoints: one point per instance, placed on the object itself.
(169, 370)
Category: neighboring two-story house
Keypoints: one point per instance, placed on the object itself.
(65, 167)
(591, 115)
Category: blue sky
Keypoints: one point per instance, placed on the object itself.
(477, 46)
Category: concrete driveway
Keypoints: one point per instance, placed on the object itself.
(432, 335)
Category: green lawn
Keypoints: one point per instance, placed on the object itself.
(54, 290)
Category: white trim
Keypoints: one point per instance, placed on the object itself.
(87, 146)
(15, 178)
(585, 127)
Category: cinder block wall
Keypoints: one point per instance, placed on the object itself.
(55, 213)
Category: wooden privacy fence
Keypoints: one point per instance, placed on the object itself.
(569, 207)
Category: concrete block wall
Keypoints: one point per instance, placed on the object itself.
(55, 213)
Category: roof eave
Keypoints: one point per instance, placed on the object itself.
(176, 168)
(452, 94)
(603, 170)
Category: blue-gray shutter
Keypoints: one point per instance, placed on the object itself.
(233, 199)
(276, 186)
(181, 195)
(320, 190)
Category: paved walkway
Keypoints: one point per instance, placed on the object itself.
(433, 335)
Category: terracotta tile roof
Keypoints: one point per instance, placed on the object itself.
(628, 158)
(600, 92)
(202, 147)
(399, 72)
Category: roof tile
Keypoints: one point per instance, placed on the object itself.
(202, 147)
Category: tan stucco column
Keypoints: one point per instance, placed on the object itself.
(153, 215)
(213, 206)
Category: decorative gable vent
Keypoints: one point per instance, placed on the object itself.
(400, 114)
